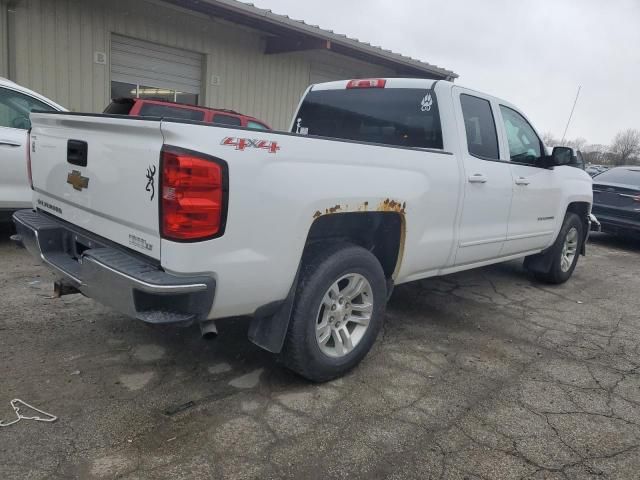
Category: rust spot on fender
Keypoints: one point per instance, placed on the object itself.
(387, 205)
(390, 205)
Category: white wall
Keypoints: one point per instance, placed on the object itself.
(56, 41)
(4, 44)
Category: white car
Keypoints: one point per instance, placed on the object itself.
(379, 182)
(16, 103)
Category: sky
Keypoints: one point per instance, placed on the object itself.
(532, 53)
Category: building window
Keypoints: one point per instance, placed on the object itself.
(130, 90)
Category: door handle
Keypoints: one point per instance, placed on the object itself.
(9, 143)
(522, 181)
(478, 178)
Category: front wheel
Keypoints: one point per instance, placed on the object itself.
(565, 251)
(338, 312)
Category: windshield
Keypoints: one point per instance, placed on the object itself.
(400, 117)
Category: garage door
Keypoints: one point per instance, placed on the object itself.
(148, 70)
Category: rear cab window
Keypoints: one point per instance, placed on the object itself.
(152, 110)
(256, 125)
(404, 117)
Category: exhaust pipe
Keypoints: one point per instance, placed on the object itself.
(208, 329)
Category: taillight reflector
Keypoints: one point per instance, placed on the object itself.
(367, 83)
(192, 195)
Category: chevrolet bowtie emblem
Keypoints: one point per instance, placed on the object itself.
(76, 180)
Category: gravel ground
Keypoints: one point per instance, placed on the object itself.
(482, 374)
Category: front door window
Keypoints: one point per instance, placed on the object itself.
(524, 145)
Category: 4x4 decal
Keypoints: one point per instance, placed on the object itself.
(244, 143)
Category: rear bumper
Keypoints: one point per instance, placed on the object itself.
(114, 276)
(615, 224)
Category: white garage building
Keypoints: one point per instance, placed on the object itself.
(217, 53)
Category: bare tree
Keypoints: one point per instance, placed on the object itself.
(550, 140)
(577, 143)
(596, 154)
(626, 146)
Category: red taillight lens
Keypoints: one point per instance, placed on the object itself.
(193, 196)
(368, 83)
(30, 175)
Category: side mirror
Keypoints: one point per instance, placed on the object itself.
(561, 156)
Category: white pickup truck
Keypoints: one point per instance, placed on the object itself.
(379, 182)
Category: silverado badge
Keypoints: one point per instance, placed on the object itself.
(77, 181)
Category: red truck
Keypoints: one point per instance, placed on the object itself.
(143, 107)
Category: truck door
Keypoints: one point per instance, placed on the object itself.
(488, 180)
(15, 108)
(536, 194)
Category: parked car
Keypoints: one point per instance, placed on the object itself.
(144, 107)
(616, 200)
(16, 103)
(380, 182)
(592, 170)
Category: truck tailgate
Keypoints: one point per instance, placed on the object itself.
(101, 174)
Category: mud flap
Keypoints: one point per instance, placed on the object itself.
(540, 263)
(270, 323)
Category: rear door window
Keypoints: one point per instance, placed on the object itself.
(226, 120)
(396, 116)
(480, 126)
(167, 111)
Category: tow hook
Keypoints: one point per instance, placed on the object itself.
(60, 288)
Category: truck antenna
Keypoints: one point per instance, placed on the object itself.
(571, 115)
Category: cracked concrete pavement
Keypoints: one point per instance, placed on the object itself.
(480, 375)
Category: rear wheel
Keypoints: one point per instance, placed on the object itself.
(565, 251)
(338, 313)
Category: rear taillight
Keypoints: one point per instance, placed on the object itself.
(30, 175)
(368, 83)
(194, 195)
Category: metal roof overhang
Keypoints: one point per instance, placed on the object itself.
(288, 35)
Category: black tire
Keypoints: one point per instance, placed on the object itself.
(323, 266)
(556, 275)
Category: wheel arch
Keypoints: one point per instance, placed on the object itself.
(582, 209)
(380, 232)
